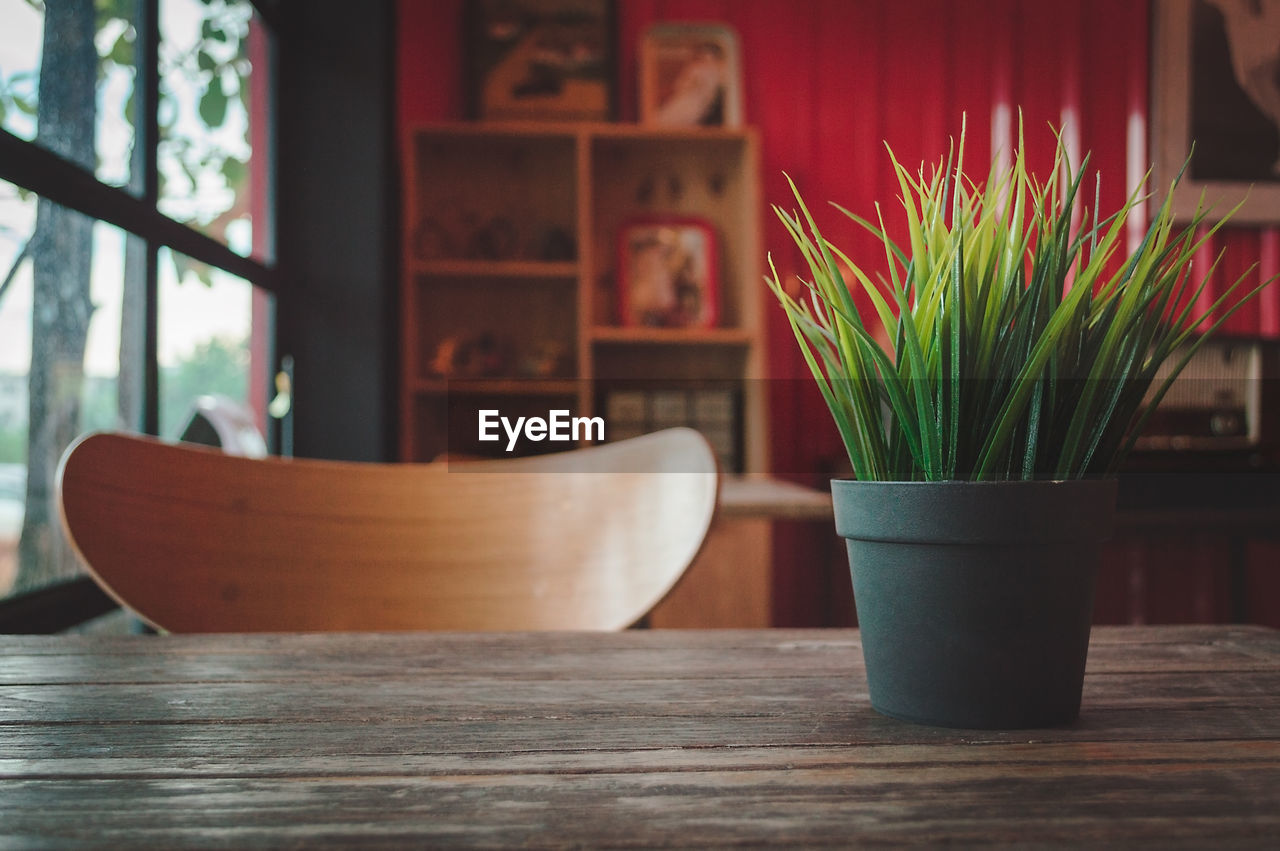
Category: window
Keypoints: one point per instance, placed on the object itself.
(135, 235)
(205, 341)
(102, 112)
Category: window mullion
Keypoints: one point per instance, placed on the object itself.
(148, 141)
(148, 133)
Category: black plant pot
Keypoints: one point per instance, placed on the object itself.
(975, 598)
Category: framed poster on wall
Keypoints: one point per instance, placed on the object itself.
(540, 60)
(690, 76)
(1215, 84)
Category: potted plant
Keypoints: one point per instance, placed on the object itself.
(983, 435)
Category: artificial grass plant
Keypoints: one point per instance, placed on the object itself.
(1019, 348)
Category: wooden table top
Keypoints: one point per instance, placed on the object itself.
(642, 738)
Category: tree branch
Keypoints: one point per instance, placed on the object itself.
(13, 269)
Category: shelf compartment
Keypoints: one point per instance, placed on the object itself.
(477, 195)
(646, 176)
(494, 326)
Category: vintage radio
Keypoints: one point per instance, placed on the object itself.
(1219, 402)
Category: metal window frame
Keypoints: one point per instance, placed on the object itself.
(36, 169)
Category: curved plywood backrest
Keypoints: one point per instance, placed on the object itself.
(194, 540)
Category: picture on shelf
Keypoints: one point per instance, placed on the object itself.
(1214, 85)
(668, 274)
(540, 60)
(690, 76)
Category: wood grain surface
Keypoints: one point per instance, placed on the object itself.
(635, 739)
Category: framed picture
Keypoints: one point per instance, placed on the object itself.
(1214, 83)
(690, 76)
(540, 60)
(668, 273)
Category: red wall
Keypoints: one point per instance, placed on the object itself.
(828, 81)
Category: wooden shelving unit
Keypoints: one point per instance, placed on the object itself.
(510, 279)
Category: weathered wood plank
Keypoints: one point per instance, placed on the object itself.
(1028, 804)
(331, 699)
(293, 759)
(650, 739)
(674, 654)
(569, 734)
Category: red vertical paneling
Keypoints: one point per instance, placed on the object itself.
(785, 106)
(1037, 78)
(845, 61)
(826, 83)
(698, 10)
(971, 70)
(1001, 108)
(909, 102)
(1132, 17)
(1241, 262)
(1268, 311)
(1201, 266)
(1069, 68)
(1239, 249)
(782, 104)
(428, 61)
(819, 162)
(1105, 93)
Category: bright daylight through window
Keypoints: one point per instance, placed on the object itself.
(91, 81)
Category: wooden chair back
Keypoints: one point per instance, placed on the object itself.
(194, 540)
